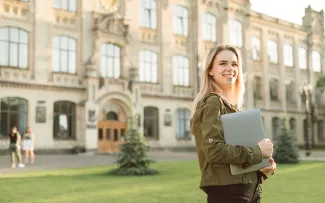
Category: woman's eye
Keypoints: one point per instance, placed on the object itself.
(222, 63)
(234, 65)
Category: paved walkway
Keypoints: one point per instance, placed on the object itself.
(49, 162)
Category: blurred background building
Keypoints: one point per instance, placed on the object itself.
(74, 70)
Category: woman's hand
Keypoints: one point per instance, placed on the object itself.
(266, 147)
(271, 169)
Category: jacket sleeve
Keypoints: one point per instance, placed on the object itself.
(213, 144)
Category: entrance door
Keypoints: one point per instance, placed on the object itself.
(110, 135)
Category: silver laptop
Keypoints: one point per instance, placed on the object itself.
(244, 128)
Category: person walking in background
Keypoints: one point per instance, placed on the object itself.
(28, 146)
(222, 93)
(14, 148)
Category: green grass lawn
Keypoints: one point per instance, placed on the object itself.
(176, 183)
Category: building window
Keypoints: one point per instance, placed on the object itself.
(64, 124)
(148, 14)
(288, 55)
(258, 88)
(69, 5)
(256, 51)
(13, 47)
(289, 85)
(275, 126)
(272, 51)
(181, 70)
(148, 67)
(180, 18)
(64, 54)
(316, 61)
(24, 0)
(274, 90)
(302, 53)
(110, 61)
(293, 124)
(183, 124)
(236, 33)
(151, 123)
(209, 31)
(13, 112)
(320, 130)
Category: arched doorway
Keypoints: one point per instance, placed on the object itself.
(111, 129)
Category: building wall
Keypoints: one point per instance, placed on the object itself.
(89, 26)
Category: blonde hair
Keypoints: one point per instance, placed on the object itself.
(210, 85)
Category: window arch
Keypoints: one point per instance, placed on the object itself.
(13, 112)
(183, 123)
(14, 47)
(148, 66)
(64, 125)
(110, 60)
(64, 54)
(236, 33)
(148, 13)
(151, 122)
(209, 31)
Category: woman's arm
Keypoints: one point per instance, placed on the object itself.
(213, 143)
(18, 139)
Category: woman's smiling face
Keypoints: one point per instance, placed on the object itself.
(225, 69)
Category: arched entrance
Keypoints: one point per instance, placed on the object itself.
(111, 129)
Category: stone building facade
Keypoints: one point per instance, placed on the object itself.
(75, 70)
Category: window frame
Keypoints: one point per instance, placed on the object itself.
(181, 66)
(209, 27)
(148, 66)
(114, 57)
(151, 11)
(72, 122)
(180, 20)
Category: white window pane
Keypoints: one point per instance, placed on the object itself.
(175, 19)
(185, 27)
(316, 61)
(72, 5)
(154, 58)
(153, 5)
(147, 72)
(72, 44)
(142, 16)
(141, 71)
(186, 77)
(103, 66)
(64, 4)
(23, 37)
(109, 67)
(23, 56)
(64, 61)
(14, 34)
(4, 53)
(72, 62)
(13, 55)
(175, 75)
(117, 68)
(154, 73)
(55, 41)
(4, 34)
(57, 3)
(117, 51)
(302, 58)
(154, 20)
(55, 60)
(64, 42)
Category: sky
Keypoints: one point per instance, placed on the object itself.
(289, 10)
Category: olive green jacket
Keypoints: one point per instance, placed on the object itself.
(214, 154)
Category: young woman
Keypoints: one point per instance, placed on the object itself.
(221, 93)
(14, 148)
(28, 146)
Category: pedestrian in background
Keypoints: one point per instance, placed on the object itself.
(28, 146)
(14, 148)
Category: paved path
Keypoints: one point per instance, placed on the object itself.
(49, 162)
